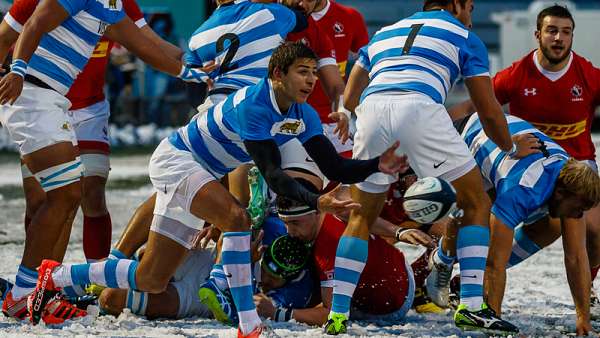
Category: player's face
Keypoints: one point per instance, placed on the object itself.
(269, 281)
(304, 227)
(308, 6)
(463, 13)
(300, 79)
(555, 38)
(567, 205)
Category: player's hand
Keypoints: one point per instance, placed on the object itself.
(256, 247)
(196, 74)
(264, 306)
(390, 163)
(11, 86)
(342, 129)
(583, 327)
(209, 233)
(416, 237)
(527, 144)
(329, 203)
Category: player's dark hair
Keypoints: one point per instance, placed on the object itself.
(556, 11)
(429, 4)
(285, 55)
(284, 203)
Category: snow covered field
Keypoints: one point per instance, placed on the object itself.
(537, 298)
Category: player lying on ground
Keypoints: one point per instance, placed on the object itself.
(185, 168)
(538, 187)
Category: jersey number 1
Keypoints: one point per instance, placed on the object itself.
(234, 44)
(414, 30)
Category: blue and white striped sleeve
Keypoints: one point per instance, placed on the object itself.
(363, 58)
(474, 58)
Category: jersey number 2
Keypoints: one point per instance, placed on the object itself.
(234, 44)
(414, 30)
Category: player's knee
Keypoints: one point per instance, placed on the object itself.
(112, 301)
(93, 199)
(67, 197)
(474, 201)
(152, 284)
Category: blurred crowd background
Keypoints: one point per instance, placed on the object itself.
(140, 95)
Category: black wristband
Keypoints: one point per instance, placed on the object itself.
(283, 314)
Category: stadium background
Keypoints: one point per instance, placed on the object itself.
(146, 104)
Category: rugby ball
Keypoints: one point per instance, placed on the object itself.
(429, 200)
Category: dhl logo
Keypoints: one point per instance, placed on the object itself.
(101, 49)
(561, 131)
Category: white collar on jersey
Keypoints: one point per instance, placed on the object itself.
(272, 96)
(552, 76)
(320, 14)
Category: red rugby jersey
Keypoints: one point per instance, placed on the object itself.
(314, 37)
(88, 87)
(348, 31)
(383, 284)
(562, 109)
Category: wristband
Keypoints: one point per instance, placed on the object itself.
(283, 314)
(18, 67)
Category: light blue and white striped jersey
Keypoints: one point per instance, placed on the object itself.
(240, 37)
(523, 186)
(64, 51)
(216, 139)
(423, 53)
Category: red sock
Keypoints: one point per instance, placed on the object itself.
(420, 268)
(96, 237)
(595, 272)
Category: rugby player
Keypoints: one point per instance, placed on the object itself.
(50, 52)
(185, 168)
(398, 92)
(557, 91)
(533, 189)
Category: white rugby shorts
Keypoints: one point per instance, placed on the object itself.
(424, 129)
(328, 129)
(176, 177)
(37, 119)
(187, 281)
(91, 126)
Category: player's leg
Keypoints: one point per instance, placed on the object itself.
(495, 274)
(91, 128)
(137, 230)
(531, 238)
(592, 220)
(34, 194)
(372, 138)
(159, 305)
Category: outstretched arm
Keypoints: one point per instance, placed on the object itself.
(578, 271)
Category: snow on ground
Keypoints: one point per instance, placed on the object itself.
(537, 298)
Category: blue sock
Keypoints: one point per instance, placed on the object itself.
(218, 276)
(73, 291)
(523, 247)
(24, 282)
(350, 260)
(235, 259)
(472, 249)
(111, 273)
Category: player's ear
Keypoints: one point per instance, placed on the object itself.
(537, 34)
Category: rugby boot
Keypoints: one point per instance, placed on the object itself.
(16, 309)
(254, 334)
(423, 304)
(438, 282)
(218, 302)
(45, 290)
(58, 310)
(259, 200)
(485, 320)
(336, 324)
(94, 289)
(5, 287)
(454, 296)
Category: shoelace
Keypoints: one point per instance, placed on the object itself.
(443, 275)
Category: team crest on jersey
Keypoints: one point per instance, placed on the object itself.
(113, 5)
(338, 28)
(577, 92)
(288, 127)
